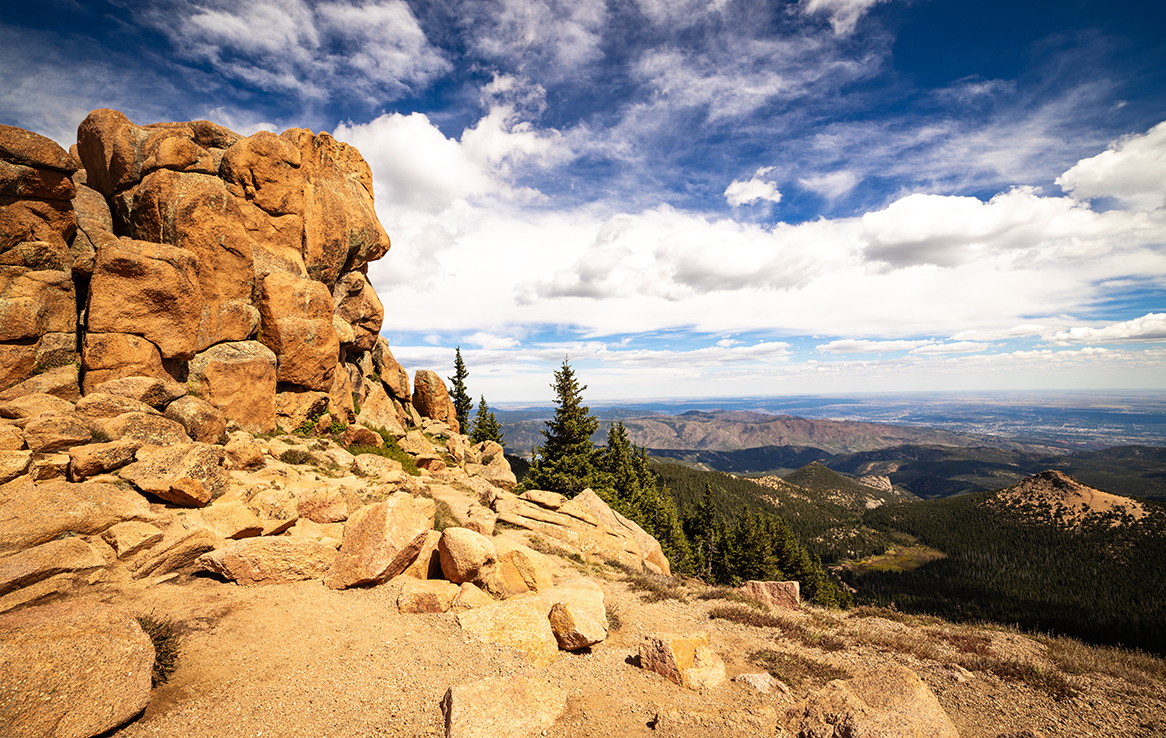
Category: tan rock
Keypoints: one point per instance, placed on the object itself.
(427, 565)
(146, 428)
(98, 458)
(240, 380)
(270, 560)
(357, 304)
(470, 596)
(549, 500)
(131, 537)
(52, 431)
(110, 147)
(358, 435)
(24, 182)
(61, 382)
(889, 702)
(177, 552)
(243, 452)
(763, 682)
(502, 706)
(148, 289)
(102, 405)
(274, 507)
(375, 467)
(467, 556)
(17, 363)
(109, 356)
(29, 149)
(519, 623)
(46, 560)
(35, 302)
(297, 327)
(377, 411)
(185, 474)
(380, 541)
(157, 392)
(13, 464)
(329, 534)
(262, 168)
(11, 437)
(50, 466)
(46, 225)
(394, 376)
(34, 514)
(203, 422)
(531, 570)
(322, 505)
(296, 410)
(649, 547)
(94, 660)
(27, 406)
(420, 596)
(786, 595)
(687, 661)
(431, 398)
(232, 519)
(577, 614)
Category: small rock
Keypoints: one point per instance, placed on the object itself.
(786, 595)
(685, 661)
(130, 537)
(763, 682)
(500, 706)
(426, 595)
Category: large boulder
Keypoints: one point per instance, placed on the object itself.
(467, 556)
(889, 702)
(297, 327)
(519, 623)
(577, 614)
(515, 707)
(431, 398)
(394, 376)
(204, 423)
(46, 560)
(239, 379)
(268, 560)
(108, 356)
(356, 303)
(785, 595)
(72, 670)
(380, 542)
(186, 474)
(38, 513)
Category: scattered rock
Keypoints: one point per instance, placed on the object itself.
(179, 552)
(467, 556)
(172, 472)
(502, 706)
(98, 458)
(50, 432)
(203, 422)
(426, 595)
(146, 428)
(270, 560)
(786, 595)
(577, 615)
(688, 662)
(380, 541)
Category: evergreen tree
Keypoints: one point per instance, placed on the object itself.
(462, 402)
(565, 463)
(486, 426)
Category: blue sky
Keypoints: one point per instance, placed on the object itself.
(696, 197)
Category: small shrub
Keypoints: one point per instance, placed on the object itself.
(390, 451)
(297, 456)
(309, 425)
(99, 435)
(164, 635)
(337, 428)
(614, 621)
(355, 404)
(656, 587)
(443, 516)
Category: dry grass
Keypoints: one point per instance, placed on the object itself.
(656, 587)
(790, 627)
(1074, 657)
(731, 595)
(890, 613)
(164, 635)
(797, 670)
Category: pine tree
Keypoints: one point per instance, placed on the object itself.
(565, 463)
(486, 426)
(462, 402)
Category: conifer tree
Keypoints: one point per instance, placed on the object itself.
(565, 463)
(486, 426)
(462, 402)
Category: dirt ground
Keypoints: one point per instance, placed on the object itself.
(303, 660)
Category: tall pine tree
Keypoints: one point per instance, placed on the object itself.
(565, 463)
(458, 395)
(486, 426)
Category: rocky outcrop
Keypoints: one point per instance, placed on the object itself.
(785, 595)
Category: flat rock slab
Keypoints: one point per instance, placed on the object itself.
(72, 670)
(35, 514)
(502, 706)
(270, 560)
(47, 560)
(521, 624)
(380, 542)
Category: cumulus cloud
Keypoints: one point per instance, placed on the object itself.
(844, 14)
(1132, 170)
(863, 346)
(956, 347)
(743, 192)
(1149, 327)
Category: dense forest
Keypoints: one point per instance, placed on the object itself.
(1101, 582)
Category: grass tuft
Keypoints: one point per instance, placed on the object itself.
(796, 670)
(390, 451)
(164, 635)
(731, 595)
(297, 456)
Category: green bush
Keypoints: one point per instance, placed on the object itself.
(390, 451)
(164, 635)
(297, 456)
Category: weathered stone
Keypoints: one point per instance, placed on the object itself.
(102, 405)
(577, 614)
(431, 398)
(232, 519)
(516, 707)
(890, 702)
(763, 682)
(786, 595)
(131, 537)
(322, 505)
(50, 466)
(72, 670)
(45, 225)
(357, 304)
(146, 428)
(46, 560)
(549, 500)
(270, 560)
(203, 422)
(375, 467)
(50, 432)
(328, 534)
(110, 147)
(262, 168)
(27, 406)
(34, 514)
(378, 411)
(649, 546)
(380, 541)
(419, 596)
(275, 508)
(179, 552)
(297, 327)
(243, 452)
(29, 149)
(297, 410)
(427, 565)
(148, 289)
(521, 569)
(519, 623)
(35, 302)
(358, 435)
(109, 356)
(13, 464)
(493, 466)
(344, 332)
(98, 458)
(154, 391)
(467, 556)
(11, 438)
(161, 471)
(470, 596)
(25, 182)
(61, 382)
(239, 379)
(688, 662)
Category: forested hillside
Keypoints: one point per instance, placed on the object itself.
(1026, 562)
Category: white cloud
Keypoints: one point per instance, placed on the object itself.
(550, 39)
(1024, 330)
(832, 185)
(743, 192)
(1149, 327)
(956, 347)
(863, 346)
(1132, 170)
(844, 14)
